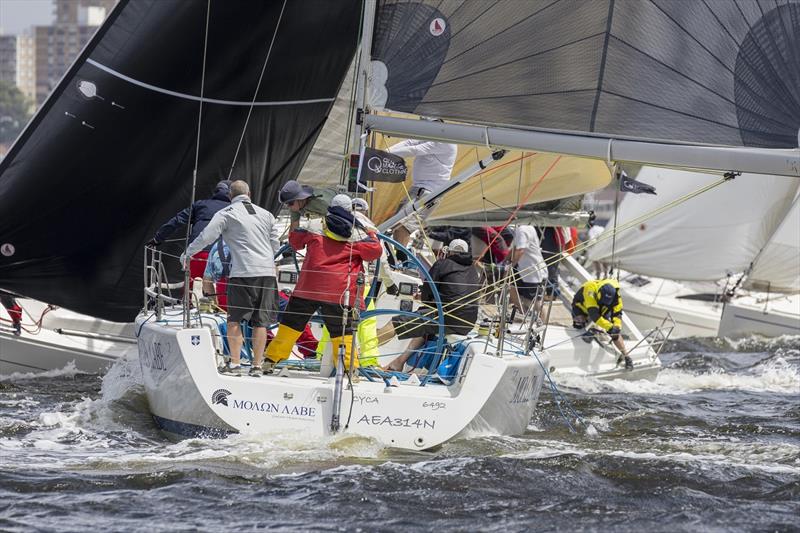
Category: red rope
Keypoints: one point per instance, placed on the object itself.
(519, 206)
(37, 325)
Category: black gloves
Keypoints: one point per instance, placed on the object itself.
(153, 243)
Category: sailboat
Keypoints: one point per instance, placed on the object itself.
(586, 87)
(710, 251)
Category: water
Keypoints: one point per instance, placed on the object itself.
(713, 445)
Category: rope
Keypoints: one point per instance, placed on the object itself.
(471, 298)
(520, 204)
(616, 218)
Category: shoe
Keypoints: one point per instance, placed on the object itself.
(233, 370)
(628, 363)
(255, 372)
(267, 367)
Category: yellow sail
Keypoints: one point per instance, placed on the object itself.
(520, 178)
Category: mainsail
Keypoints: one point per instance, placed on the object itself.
(720, 72)
(110, 155)
(700, 238)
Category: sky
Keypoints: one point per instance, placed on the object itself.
(17, 15)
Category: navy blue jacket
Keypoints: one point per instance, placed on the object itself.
(200, 214)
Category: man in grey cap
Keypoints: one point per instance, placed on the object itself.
(304, 200)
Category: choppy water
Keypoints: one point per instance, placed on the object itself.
(712, 445)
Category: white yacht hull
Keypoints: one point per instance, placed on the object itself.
(747, 316)
(188, 396)
(569, 353)
(692, 318)
(64, 338)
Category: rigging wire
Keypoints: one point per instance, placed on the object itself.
(258, 86)
(189, 224)
(616, 218)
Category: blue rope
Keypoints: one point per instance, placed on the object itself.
(139, 331)
(557, 395)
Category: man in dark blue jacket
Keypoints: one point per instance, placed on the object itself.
(198, 215)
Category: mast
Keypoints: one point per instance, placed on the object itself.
(364, 69)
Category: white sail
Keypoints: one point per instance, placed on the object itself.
(777, 268)
(704, 238)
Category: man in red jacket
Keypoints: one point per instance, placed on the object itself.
(336, 248)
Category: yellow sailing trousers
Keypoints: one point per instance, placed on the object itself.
(280, 347)
(347, 341)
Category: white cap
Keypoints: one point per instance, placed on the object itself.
(458, 245)
(343, 201)
(359, 204)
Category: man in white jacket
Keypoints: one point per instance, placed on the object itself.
(252, 239)
(433, 163)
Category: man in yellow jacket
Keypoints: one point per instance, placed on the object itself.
(599, 301)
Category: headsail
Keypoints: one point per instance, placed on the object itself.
(705, 237)
(777, 267)
(704, 72)
(110, 155)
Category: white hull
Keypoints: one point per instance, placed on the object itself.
(693, 318)
(188, 397)
(91, 344)
(569, 353)
(747, 316)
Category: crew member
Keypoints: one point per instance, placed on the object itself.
(14, 311)
(599, 301)
(458, 282)
(336, 248)
(252, 239)
(198, 215)
(433, 164)
(305, 201)
(530, 271)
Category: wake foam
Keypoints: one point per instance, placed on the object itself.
(69, 371)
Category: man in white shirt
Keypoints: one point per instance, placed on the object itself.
(433, 163)
(530, 269)
(252, 238)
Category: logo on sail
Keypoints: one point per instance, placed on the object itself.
(195, 340)
(437, 26)
(220, 397)
(7, 249)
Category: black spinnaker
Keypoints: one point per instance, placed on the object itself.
(110, 155)
(711, 71)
